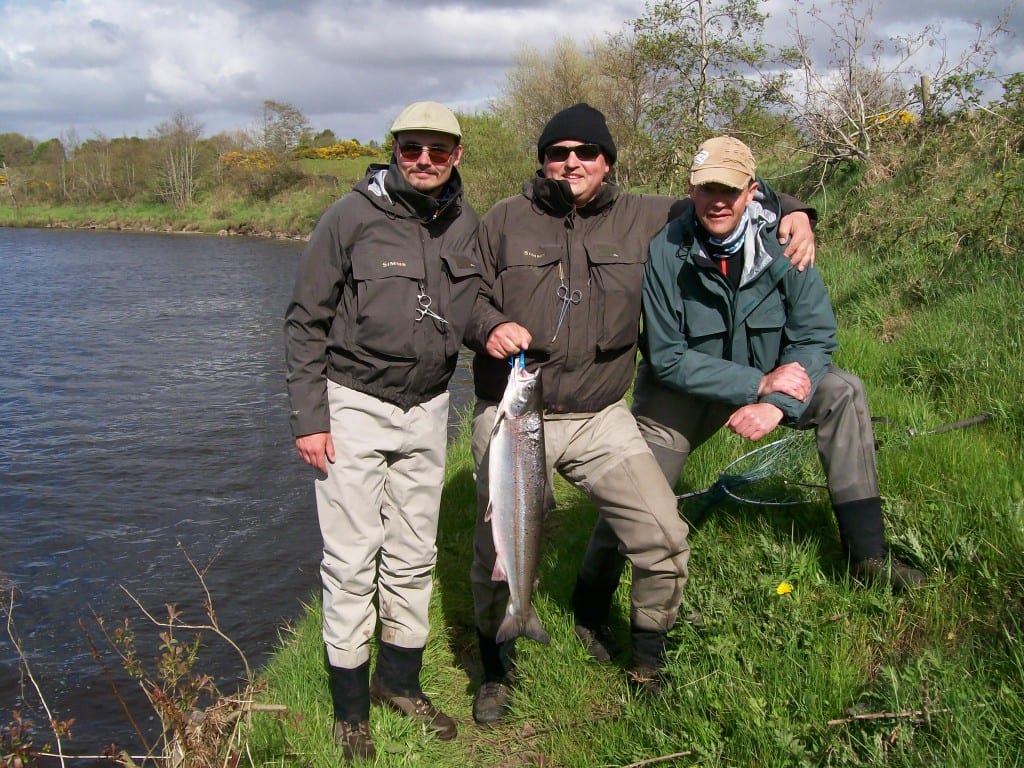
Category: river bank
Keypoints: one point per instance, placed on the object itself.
(289, 216)
(243, 230)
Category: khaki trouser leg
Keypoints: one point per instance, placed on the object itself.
(640, 509)
(672, 424)
(839, 413)
(380, 497)
(412, 493)
(609, 460)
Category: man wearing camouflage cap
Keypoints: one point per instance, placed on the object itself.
(372, 337)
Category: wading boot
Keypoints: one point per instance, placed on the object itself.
(591, 604)
(350, 698)
(491, 700)
(646, 676)
(861, 530)
(355, 740)
(396, 685)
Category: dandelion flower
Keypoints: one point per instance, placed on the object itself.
(784, 588)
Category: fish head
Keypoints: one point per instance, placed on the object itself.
(522, 392)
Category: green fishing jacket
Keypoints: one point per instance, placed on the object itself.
(706, 339)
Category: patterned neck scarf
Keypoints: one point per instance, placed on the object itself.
(734, 242)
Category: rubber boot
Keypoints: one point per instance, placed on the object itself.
(491, 700)
(645, 675)
(591, 605)
(861, 528)
(862, 532)
(350, 698)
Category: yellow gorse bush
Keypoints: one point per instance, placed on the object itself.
(343, 150)
(260, 160)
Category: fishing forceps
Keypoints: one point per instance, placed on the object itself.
(425, 311)
(567, 297)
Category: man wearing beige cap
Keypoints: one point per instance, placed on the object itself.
(734, 337)
(372, 337)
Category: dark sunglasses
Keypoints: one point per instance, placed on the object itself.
(412, 151)
(559, 154)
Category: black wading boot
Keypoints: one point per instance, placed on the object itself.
(861, 530)
(646, 674)
(350, 697)
(396, 685)
(491, 701)
(591, 604)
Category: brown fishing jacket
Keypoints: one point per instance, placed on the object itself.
(356, 317)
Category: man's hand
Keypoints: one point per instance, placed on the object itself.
(754, 421)
(789, 379)
(507, 339)
(795, 229)
(316, 449)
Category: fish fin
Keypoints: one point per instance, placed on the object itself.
(499, 573)
(489, 513)
(498, 418)
(526, 625)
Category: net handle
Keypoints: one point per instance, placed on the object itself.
(947, 427)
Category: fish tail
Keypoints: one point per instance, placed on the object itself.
(525, 624)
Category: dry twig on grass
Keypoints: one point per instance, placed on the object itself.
(904, 715)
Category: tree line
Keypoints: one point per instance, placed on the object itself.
(681, 71)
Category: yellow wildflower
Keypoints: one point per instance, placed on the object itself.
(784, 588)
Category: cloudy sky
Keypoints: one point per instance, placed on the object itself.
(120, 67)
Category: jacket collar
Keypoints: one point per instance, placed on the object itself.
(385, 186)
(554, 196)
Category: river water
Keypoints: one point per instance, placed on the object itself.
(143, 415)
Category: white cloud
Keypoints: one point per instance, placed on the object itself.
(120, 67)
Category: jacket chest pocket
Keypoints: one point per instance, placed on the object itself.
(463, 273)
(526, 288)
(765, 325)
(706, 330)
(617, 276)
(385, 292)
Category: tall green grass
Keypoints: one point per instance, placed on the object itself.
(923, 259)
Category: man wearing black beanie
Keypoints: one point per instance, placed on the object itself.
(580, 122)
(562, 266)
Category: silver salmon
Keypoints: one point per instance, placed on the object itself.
(518, 495)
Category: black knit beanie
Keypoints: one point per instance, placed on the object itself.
(580, 122)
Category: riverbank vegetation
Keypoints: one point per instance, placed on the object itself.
(778, 658)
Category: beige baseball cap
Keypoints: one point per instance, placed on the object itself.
(723, 160)
(427, 116)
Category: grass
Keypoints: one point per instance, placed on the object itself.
(291, 212)
(759, 678)
(833, 673)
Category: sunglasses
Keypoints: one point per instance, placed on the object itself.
(584, 152)
(413, 151)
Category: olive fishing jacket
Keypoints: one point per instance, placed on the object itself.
(374, 260)
(706, 339)
(534, 246)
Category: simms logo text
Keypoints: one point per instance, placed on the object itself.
(386, 264)
(533, 255)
